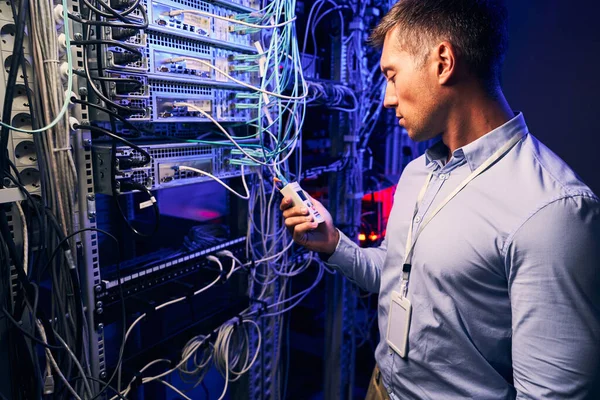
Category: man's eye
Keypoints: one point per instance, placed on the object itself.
(392, 79)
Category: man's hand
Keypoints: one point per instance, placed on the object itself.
(322, 238)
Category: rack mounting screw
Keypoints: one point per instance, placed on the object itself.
(83, 91)
(98, 288)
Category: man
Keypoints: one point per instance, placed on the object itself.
(497, 295)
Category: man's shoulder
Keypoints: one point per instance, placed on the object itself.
(549, 173)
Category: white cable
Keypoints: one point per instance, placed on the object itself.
(197, 292)
(223, 130)
(77, 364)
(234, 21)
(226, 186)
(65, 105)
(174, 389)
(249, 365)
(25, 235)
(53, 361)
(199, 60)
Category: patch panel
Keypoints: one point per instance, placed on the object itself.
(154, 273)
(160, 173)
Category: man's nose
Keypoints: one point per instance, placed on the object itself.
(390, 100)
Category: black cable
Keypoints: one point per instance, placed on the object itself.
(121, 294)
(206, 392)
(119, 395)
(17, 56)
(112, 13)
(108, 42)
(38, 215)
(130, 185)
(134, 163)
(104, 98)
(81, 73)
(111, 113)
(142, 9)
(24, 332)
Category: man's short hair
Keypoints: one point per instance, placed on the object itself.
(477, 29)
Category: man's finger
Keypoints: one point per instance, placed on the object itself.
(295, 212)
(300, 231)
(286, 203)
(293, 221)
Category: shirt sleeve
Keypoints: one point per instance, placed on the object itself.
(361, 265)
(553, 268)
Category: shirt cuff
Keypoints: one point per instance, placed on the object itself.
(343, 254)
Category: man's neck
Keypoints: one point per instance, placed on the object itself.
(475, 115)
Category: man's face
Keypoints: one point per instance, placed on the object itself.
(412, 90)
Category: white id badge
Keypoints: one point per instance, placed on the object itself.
(398, 323)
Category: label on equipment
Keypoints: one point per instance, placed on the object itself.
(195, 65)
(204, 105)
(198, 22)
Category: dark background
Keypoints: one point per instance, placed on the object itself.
(551, 74)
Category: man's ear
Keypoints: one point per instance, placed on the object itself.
(445, 60)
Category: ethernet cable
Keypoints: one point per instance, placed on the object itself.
(232, 20)
(219, 70)
(223, 130)
(219, 181)
(66, 103)
(179, 392)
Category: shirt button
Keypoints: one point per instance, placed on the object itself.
(442, 176)
(417, 219)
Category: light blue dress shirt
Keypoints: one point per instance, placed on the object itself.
(505, 280)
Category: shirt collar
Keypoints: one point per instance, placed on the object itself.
(478, 151)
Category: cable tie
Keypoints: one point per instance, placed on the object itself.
(148, 203)
(51, 61)
(239, 322)
(136, 382)
(263, 306)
